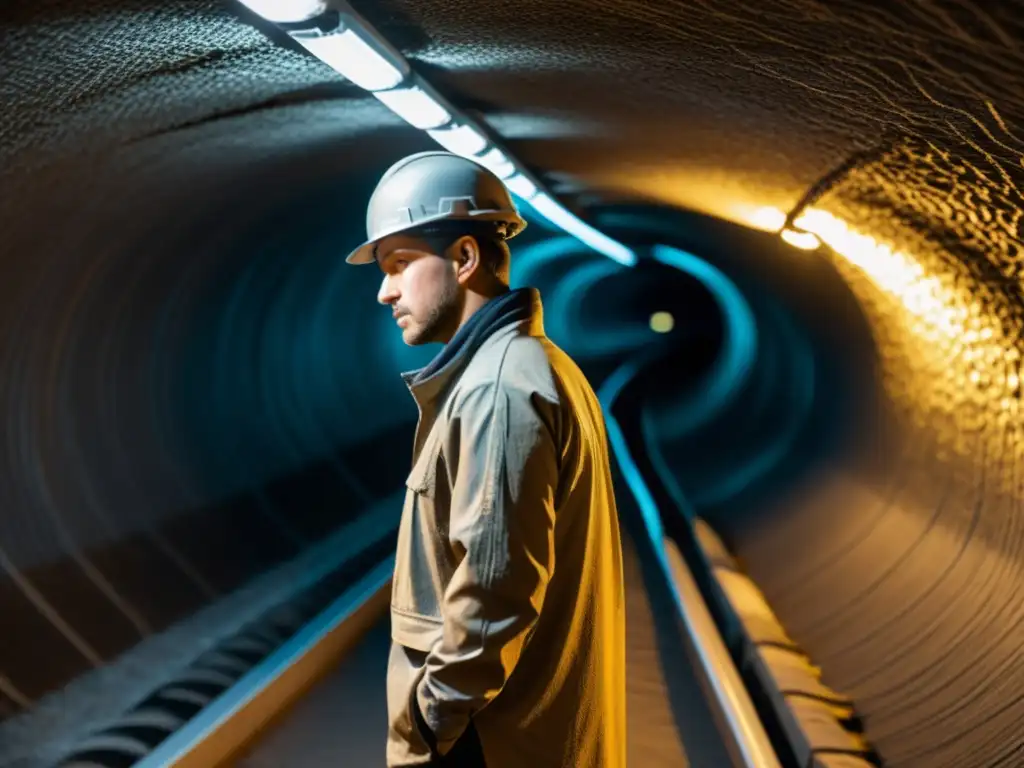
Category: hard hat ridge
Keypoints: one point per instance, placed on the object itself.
(434, 186)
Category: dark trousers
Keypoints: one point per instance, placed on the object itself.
(467, 752)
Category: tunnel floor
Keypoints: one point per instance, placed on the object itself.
(343, 719)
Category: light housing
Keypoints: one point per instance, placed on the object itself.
(551, 210)
(286, 11)
(805, 241)
(355, 59)
(414, 105)
(464, 140)
(522, 186)
(497, 163)
(356, 51)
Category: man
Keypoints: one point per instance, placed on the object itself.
(507, 614)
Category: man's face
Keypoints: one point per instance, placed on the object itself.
(421, 288)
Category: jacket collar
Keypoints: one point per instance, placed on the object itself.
(521, 307)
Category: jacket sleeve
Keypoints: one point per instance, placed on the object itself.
(502, 523)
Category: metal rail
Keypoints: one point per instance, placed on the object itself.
(231, 721)
(739, 724)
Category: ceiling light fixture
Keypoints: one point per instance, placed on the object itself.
(662, 322)
(355, 59)
(287, 11)
(416, 106)
(498, 163)
(462, 140)
(805, 241)
(347, 43)
(551, 210)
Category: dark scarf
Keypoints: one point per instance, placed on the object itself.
(512, 307)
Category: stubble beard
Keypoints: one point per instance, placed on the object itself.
(442, 319)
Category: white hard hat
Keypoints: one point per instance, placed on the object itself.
(434, 186)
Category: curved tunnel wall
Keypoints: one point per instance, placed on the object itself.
(902, 572)
(896, 563)
(166, 389)
(889, 547)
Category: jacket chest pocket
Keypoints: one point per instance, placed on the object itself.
(422, 558)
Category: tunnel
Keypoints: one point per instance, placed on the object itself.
(820, 325)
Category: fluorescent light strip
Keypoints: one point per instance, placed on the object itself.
(806, 241)
(550, 209)
(496, 161)
(462, 140)
(353, 58)
(286, 11)
(522, 186)
(415, 106)
(356, 54)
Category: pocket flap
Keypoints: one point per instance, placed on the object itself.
(411, 630)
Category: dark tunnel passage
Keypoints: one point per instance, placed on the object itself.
(197, 392)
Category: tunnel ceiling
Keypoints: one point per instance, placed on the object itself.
(722, 107)
(899, 116)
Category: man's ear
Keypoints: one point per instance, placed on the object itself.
(467, 257)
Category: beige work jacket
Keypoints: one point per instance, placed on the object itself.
(507, 600)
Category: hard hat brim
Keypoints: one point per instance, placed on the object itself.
(364, 254)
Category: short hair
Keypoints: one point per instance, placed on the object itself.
(489, 235)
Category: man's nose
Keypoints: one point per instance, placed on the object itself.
(388, 293)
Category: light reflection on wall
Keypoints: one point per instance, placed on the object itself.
(949, 362)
